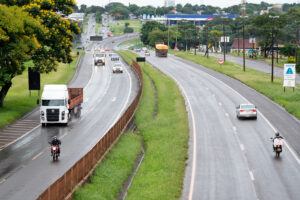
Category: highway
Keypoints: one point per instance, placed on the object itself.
(27, 168)
(231, 158)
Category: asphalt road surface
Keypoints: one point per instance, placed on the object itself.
(255, 64)
(27, 168)
(231, 158)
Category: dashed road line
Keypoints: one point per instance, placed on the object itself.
(38, 155)
(242, 147)
(220, 104)
(251, 175)
(227, 115)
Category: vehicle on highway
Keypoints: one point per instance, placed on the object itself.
(138, 49)
(55, 148)
(115, 58)
(107, 49)
(246, 111)
(58, 102)
(144, 49)
(147, 53)
(161, 50)
(117, 67)
(99, 57)
(277, 144)
(80, 47)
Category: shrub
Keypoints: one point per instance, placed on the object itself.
(128, 30)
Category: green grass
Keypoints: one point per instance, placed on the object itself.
(166, 139)
(281, 61)
(118, 29)
(108, 178)
(18, 102)
(258, 80)
(133, 41)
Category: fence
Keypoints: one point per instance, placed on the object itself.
(79, 172)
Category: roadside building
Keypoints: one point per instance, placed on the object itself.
(250, 47)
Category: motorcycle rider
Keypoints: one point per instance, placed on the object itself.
(277, 136)
(56, 142)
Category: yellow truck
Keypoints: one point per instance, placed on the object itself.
(161, 50)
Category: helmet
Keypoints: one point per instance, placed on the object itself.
(277, 134)
(54, 138)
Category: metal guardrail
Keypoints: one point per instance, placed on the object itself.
(64, 187)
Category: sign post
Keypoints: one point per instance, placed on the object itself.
(289, 75)
(221, 61)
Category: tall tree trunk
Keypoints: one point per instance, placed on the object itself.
(3, 92)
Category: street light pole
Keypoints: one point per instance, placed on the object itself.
(244, 62)
(272, 47)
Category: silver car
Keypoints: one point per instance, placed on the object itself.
(117, 68)
(246, 111)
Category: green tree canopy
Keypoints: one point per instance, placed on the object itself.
(19, 33)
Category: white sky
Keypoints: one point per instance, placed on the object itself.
(219, 3)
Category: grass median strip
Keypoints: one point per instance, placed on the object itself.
(166, 140)
(18, 102)
(108, 178)
(257, 80)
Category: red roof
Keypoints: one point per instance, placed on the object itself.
(236, 45)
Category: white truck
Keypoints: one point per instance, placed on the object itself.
(99, 57)
(58, 102)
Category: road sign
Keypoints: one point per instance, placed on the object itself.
(226, 39)
(140, 59)
(289, 75)
(220, 61)
(96, 38)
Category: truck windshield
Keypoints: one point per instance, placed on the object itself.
(99, 55)
(53, 102)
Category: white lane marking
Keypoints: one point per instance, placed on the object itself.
(292, 151)
(227, 115)
(191, 190)
(128, 97)
(234, 128)
(220, 104)
(64, 135)
(2, 181)
(114, 99)
(242, 147)
(38, 155)
(3, 147)
(251, 175)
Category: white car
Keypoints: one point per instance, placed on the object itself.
(246, 111)
(147, 53)
(117, 68)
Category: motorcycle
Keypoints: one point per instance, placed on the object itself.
(54, 152)
(277, 146)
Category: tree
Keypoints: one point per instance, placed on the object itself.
(120, 12)
(134, 9)
(56, 42)
(19, 33)
(83, 8)
(215, 37)
(157, 36)
(148, 27)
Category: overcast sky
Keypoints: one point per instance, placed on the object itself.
(219, 3)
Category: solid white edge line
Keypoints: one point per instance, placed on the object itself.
(268, 122)
(38, 155)
(251, 175)
(191, 190)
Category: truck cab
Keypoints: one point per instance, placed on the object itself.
(54, 104)
(58, 102)
(99, 57)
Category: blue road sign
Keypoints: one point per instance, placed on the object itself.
(289, 71)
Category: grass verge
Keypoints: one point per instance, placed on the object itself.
(257, 80)
(18, 102)
(108, 178)
(160, 176)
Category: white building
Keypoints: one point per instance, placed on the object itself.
(169, 3)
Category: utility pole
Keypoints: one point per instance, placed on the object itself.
(207, 41)
(224, 42)
(297, 44)
(243, 13)
(272, 68)
(238, 42)
(168, 33)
